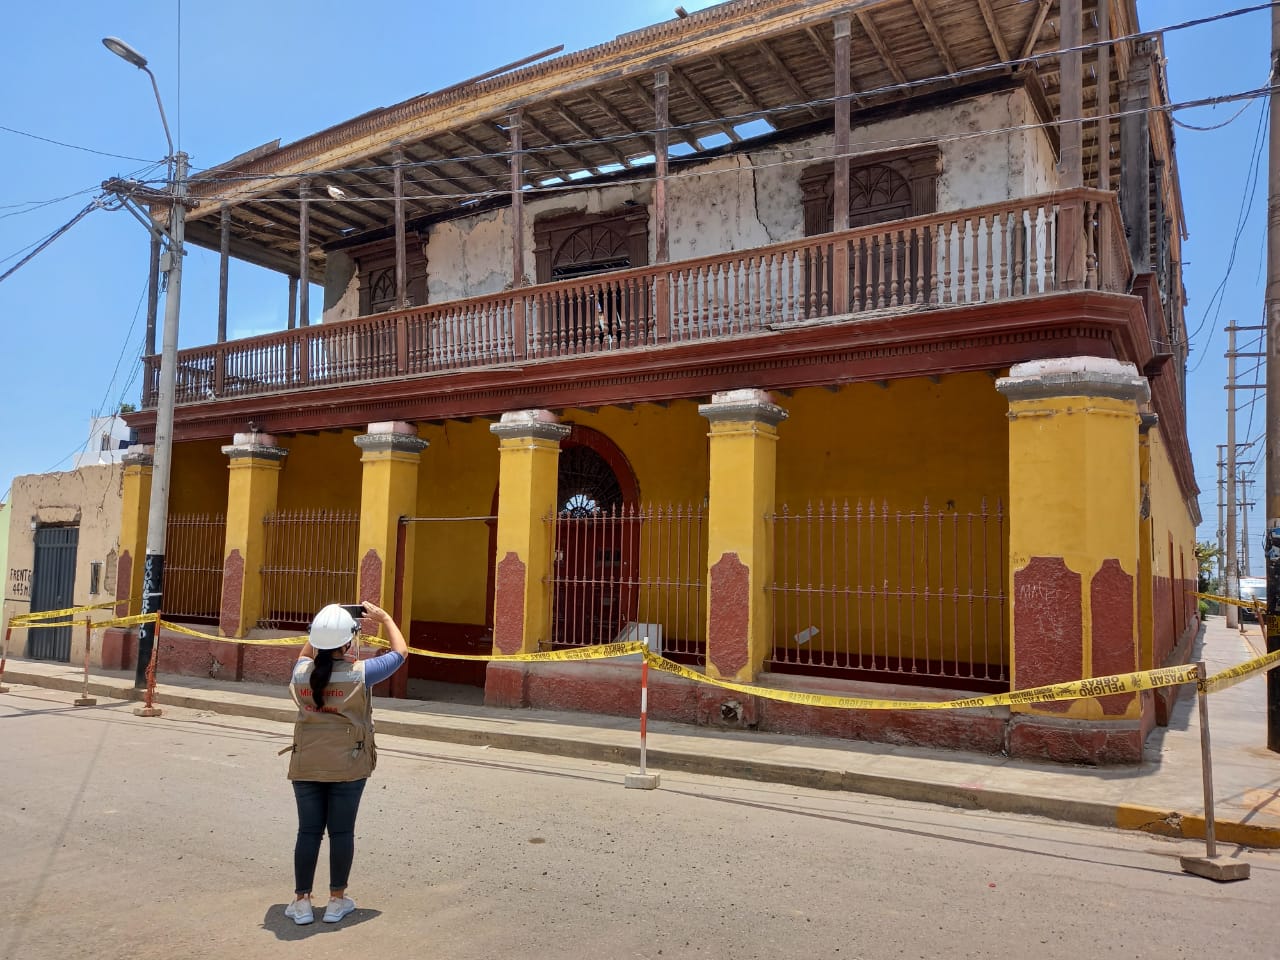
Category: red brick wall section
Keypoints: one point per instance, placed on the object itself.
(1048, 629)
(508, 604)
(124, 580)
(232, 594)
(730, 603)
(1114, 634)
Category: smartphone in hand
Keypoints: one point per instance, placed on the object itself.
(355, 609)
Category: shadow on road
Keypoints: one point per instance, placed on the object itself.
(285, 929)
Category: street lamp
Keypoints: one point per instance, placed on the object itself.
(171, 264)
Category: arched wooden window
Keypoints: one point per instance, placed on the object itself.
(581, 244)
(882, 188)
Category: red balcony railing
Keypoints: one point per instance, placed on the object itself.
(1030, 247)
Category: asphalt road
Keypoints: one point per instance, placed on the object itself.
(123, 837)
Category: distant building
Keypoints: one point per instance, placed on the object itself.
(109, 438)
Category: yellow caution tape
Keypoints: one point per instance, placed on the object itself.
(1233, 675)
(1233, 601)
(602, 651)
(25, 619)
(1075, 690)
(274, 642)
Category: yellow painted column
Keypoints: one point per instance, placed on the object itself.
(743, 472)
(1074, 503)
(528, 475)
(136, 497)
(1146, 551)
(254, 462)
(390, 453)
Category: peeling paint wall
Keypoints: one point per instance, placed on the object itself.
(89, 497)
(341, 288)
(750, 200)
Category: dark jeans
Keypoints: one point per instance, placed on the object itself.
(322, 806)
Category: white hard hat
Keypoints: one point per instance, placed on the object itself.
(332, 628)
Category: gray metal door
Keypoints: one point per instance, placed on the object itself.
(53, 578)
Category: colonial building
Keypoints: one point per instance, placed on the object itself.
(831, 346)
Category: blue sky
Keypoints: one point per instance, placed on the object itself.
(237, 74)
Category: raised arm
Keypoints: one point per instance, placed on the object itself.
(394, 636)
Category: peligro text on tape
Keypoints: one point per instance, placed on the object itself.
(1075, 690)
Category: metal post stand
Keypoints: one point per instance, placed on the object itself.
(1212, 866)
(84, 700)
(644, 780)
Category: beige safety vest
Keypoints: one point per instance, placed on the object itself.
(333, 744)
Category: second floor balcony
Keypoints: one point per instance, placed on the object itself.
(1034, 247)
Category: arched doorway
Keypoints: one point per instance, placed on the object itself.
(596, 563)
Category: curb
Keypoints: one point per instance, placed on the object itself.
(1165, 823)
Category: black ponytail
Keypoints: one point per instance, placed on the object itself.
(321, 673)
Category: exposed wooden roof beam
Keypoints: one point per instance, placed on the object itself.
(529, 121)
(935, 35)
(802, 96)
(738, 82)
(638, 89)
(414, 161)
(692, 92)
(388, 193)
(829, 54)
(350, 210)
(571, 118)
(486, 180)
(530, 156)
(1033, 35)
(617, 117)
(993, 28)
(877, 41)
(487, 153)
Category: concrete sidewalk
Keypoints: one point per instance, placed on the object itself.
(1163, 795)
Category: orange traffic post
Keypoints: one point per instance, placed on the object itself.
(644, 780)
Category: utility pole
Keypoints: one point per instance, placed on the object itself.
(1272, 349)
(1222, 545)
(1245, 503)
(1231, 589)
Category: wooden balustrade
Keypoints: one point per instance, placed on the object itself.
(1028, 247)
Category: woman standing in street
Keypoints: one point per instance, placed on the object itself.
(333, 751)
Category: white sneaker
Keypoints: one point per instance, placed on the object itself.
(338, 908)
(300, 911)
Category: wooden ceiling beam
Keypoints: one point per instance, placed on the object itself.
(638, 89)
(935, 36)
(789, 78)
(993, 28)
(389, 192)
(738, 82)
(571, 118)
(352, 209)
(530, 156)
(693, 93)
(529, 121)
(877, 41)
(1033, 35)
(414, 162)
(829, 54)
(617, 117)
(487, 154)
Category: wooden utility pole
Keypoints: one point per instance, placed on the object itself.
(1272, 349)
(1245, 504)
(1222, 533)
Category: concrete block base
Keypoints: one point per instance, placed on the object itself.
(86, 701)
(3, 688)
(1221, 869)
(1063, 740)
(641, 781)
(147, 711)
